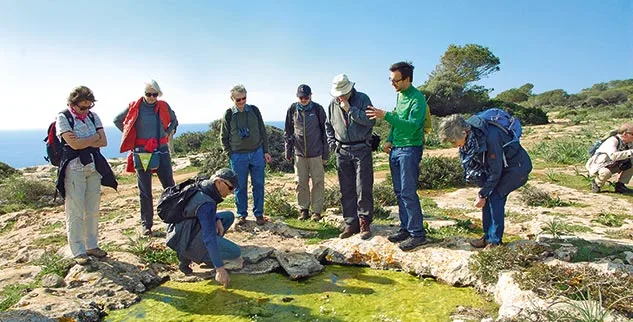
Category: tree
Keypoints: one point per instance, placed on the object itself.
(513, 95)
(527, 88)
(469, 63)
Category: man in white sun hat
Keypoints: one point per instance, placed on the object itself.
(349, 133)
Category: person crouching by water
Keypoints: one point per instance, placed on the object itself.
(201, 239)
(81, 173)
(146, 124)
(479, 142)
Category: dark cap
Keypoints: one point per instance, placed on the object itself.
(228, 175)
(304, 90)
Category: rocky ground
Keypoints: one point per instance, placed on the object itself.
(117, 281)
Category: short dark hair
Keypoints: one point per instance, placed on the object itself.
(79, 94)
(405, 68)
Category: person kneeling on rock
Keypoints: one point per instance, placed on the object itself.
(201, 239)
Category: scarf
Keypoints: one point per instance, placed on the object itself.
(304, 108)
(81, 117)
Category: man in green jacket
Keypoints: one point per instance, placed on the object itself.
(404, 146)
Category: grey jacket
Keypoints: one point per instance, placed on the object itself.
(304, 132)
(349, 128)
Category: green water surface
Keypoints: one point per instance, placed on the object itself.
(337, 294)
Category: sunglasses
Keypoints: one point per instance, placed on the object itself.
(237, 100)
(151, 94)
(304, 98)
(83, 108)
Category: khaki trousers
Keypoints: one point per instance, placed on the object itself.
(83, 190)
(306, 168)
(605, 174)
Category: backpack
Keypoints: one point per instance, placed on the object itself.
(55, 147)
(598, 143)
(172, 201)
(503, 120)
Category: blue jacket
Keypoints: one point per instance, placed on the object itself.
(491, 140)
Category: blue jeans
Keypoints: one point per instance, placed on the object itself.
(493, 212)
(404, 163)
(144, 182)
(227, 248)
(244, 163)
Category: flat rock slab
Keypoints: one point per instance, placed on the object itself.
(298, 264)
(255, 254)
(267, 265)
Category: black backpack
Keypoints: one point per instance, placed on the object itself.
(172, 202)
(55, 147)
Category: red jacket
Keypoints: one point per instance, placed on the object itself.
(129, 130)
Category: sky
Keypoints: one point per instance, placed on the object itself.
(197, 50)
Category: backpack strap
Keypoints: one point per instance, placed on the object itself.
(70, 118)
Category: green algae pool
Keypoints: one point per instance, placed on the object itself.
(337, 294)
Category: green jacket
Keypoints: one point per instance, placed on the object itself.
(249, 123)
(407, 119)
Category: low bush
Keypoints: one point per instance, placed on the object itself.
(275, 205)
(19, 192)
(488, 263)
(565, 151)
(6, 171)
(384, 195)
(440, 173)
(536, 197)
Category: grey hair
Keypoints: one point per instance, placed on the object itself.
(153, 85)
(239, 88)
(452, 128)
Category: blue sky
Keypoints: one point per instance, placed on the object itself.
(197, 50)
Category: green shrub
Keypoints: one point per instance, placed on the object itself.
(488, 263)
(54, 264)
(611, 220)
(566, 151)
(440, 173)
(331, 197)
(150, 252)
(19, 192)
(6, 171)
(384, 195)
(578, 283)
(275, 205)
(380, 212)
(537, 197)
(11, 294)
(555, 227)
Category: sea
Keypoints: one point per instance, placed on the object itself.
(26, 148)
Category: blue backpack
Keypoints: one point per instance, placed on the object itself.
(503, 120)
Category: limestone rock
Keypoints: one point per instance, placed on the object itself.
(566, 252)
(447, 265)
(254, 254)
(629, 257)
(267, 265)
(298, 264)
(18, 275)
(512, 300)
(52, 280)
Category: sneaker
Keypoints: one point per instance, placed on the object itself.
(82, 259)
(348, 232)
(316, 217)
(621, 188)
(399, 236)
(304, 215)
(412, 243)
(241, 220)
(260, 220)
(478, 243)
(97, 252)
(365, 230)
(185, 269)
(147, 232)
(594, 187)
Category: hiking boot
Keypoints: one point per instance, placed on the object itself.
(147, 232)
(399, 236)
(348, 232)
(621, 188)
(96, 252)
(478, 243)
(260, 220)
(304, 215)
(241, 220)
(82, 259)
(412, 243)
(365, 231)
(185, 269)
(493, 245)
(316, 217)
(595, 188)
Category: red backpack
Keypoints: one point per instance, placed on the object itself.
(55, 147)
